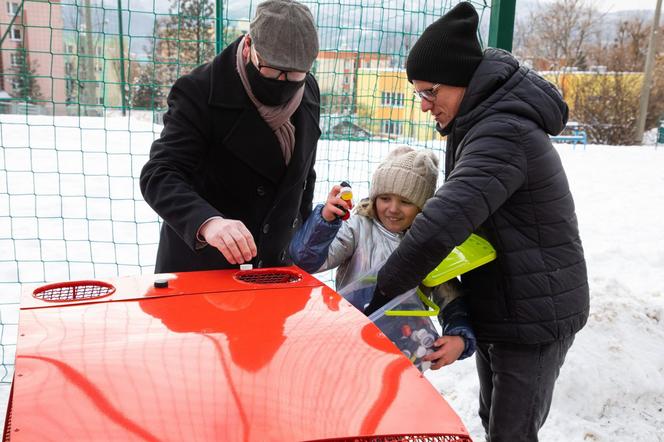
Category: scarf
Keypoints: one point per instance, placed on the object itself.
(277, 117)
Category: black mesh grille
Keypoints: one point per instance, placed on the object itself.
(404, 438)
(268, 276)
(8, 419)
(8, 426)
(73, 291)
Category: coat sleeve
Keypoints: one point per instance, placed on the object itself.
(308, 194)
(490, 168)
(453, 316)
(175, 157)
(454, 322)
(319, 246)
(310, 244)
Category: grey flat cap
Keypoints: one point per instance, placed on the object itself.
(284, 34)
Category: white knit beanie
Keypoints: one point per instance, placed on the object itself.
(409, 173)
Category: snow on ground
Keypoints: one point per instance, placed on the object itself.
(612, 385)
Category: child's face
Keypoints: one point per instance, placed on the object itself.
(394, 212)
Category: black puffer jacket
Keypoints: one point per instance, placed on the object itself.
(505, 181)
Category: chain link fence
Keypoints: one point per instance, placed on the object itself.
(83, 87)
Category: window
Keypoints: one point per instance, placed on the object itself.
(14, 59)
(392, 127)
(17, 84)
(12, 8)
(100, 100)
(392, 99)
(15, 34)
(100, 51)
(70, 49)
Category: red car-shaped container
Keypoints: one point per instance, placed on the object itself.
(258, 355)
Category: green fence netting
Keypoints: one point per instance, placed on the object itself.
(83, 86)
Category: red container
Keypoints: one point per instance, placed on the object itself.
(261, 355)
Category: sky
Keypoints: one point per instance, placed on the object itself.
(616, 5)
(625, 5)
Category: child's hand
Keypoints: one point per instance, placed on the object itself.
(449, 350)
(335, 206)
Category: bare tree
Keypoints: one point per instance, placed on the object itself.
(559, 34)
(628, 51)
(609, 106)
(568, 34)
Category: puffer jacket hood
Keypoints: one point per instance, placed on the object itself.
(501, 85)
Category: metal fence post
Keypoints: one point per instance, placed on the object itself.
(219, 26)
(123, 83)
(501, 27)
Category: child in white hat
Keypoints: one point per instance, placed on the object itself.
(400, 187)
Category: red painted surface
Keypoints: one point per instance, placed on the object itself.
(212, 358)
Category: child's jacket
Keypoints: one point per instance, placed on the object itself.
(359, 244)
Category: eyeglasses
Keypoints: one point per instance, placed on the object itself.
(274, 73)
(428, 94)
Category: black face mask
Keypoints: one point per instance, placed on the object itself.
(445, 131)
(270, 91)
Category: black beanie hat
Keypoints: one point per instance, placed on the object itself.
(448, 51)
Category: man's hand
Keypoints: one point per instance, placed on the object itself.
(231, 238)
(449, 350)
(335, 206)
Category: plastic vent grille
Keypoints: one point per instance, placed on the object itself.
(404, 438)
(8, 426)
(8, 418)
(268, 276)
(73, 291)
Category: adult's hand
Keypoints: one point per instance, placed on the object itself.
(231, 237)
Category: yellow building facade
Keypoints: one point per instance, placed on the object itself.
(581, 86)
(388, 107)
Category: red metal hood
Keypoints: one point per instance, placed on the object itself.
(214, 358)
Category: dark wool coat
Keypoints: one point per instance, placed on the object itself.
(217, 157)
(505, 181)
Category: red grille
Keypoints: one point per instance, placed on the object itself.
(268, 276)
(8, 425)
(73, 291)
(6, 436)
(404, 438)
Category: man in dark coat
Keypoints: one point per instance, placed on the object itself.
(505, 181)
(232, 174)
